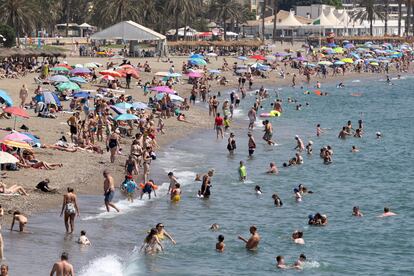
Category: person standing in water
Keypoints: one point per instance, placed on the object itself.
(22, 220)
(253, 242)
(220, 244)
(176, 193)
(62, 267)
(242, 172)
(299, 144)
(71, 209)
(173, 182)
(252, 117)
(251, 144)
(218, 124)
(152, 244)
(162, 234)
(231, 144)
(268, 132)
(109, 191)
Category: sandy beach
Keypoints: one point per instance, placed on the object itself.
(82, 170)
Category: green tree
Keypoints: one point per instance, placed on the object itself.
(106, 13)
(185, 9)
(225, 10)
(20, 14)
(399, 16)
(369, 12)
(9, 36)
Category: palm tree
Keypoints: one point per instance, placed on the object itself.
(275, 10)
(225, 10)
(19, 14)
(263, 19)
(185, 9)
(370, 13)
(114, 11)
(407, 22)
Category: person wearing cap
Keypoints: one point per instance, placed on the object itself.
(299, 144)
(309, 149)
(379, 135)
(129, 186)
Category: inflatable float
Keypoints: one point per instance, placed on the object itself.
(273, 113)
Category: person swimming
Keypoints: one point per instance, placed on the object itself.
(258, 190)
(356, 212)
(387, 213)
(298, 196)
(176, 193)
(277, 201)
(152, 244)
(297, 237)
(220, 244)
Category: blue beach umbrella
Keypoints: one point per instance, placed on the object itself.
(6, 98)
(198, 61)
(174, 75)
(78, 80)
(82, 94)
(242, 58)
(214, 71)
(32, 139)
(124, 105)
(197, 56)
(126, 117)
(339, 62)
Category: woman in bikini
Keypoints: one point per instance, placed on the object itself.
(70, 207)
(152, 244)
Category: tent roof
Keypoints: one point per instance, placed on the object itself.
(323, 21)
(344, 18)
(85, 25)
(331, 17)
(290, 21)
(128, 30)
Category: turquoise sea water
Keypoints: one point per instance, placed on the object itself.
(381, 174)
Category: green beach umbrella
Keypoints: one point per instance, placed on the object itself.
(68, 86)
(59, 69)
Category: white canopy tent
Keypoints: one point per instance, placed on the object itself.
(323, 21)
(332, 18)
(290, 21)
(132, 31)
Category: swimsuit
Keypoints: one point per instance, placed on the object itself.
(109, 195)
(112, 143)
(70, 208)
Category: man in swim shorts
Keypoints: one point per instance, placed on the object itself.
(109, 191)
(251, 145)
(73, 125)
(252, 118)
(387, 213)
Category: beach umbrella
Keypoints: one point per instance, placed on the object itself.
(139, 105)
(108, 77)
(65, 65)
(162, 74)
(242, 58)
(339, 62)
(355, 55)
(124, 105)
(112, 73)
(271, 58)
(162, 89)
(339, 50)
(90, 65)
(197, 56)
(281, 54)
(58, 78)
(82, 94)
(19, 137)
(68, 86)
(347, 60)
(80, 71)
(78, 80)
(78, 66)
(331, 44)
(6, 98)
(198, 61)
(127, 66)
(212, 54)
(16, 144)
(325, 62)
(258, 57)
(176, 98)
(34, 140)
(117, 57)
(48, 97)
(374, 63)
(118, 110)
(242, 71)
(125, 71)
(194, 75)
(16, 111)
(126, 117)
(310, 65)
(301, 59)
(7, 158)
(214, 71)
(59, 69)
(174, 75)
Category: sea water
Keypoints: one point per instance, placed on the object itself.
(381, 174)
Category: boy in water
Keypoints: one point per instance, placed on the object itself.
(17, 216)
(148, 188)
(242, 172)
(220, 245)
(387, 213)
(300, 262)
(130, 187)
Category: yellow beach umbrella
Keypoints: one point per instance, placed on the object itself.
(339, 50)
(374, 63)
(347, 60)
(16, 144)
